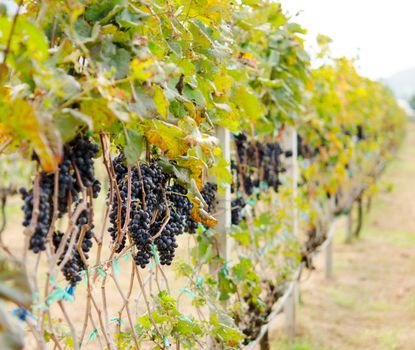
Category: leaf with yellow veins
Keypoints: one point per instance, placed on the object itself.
(24, 125)
(195, 137)
(200, 215)
(248, 103)
(161, 102)
(97, 109)
(197, 169)
(168, 137)
(142, 69)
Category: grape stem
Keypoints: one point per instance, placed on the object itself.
(166, 218)
(13, 27)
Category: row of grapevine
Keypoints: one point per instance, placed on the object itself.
(141, 121)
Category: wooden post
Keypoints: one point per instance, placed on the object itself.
(223, 215)
(224, 201)
(329, 259)
(290, 312)
(264, 343)
(359, 223)
(294, 175)
(349, 227)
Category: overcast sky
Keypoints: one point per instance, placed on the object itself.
(380, 32)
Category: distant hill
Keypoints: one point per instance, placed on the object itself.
(402, 83)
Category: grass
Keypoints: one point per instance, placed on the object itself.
(300, 344)
(342, 298)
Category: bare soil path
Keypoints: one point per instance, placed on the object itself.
(370, 302)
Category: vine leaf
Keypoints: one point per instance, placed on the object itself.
(98, 111)
(101, 10)
(202, 216)
(19, 117)
(134, 147)
(196, 167)
(161, 102)
(249, 103)
(168, 137)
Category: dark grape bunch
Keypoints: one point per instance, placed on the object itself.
(304, 150)
(160, 210)
(209, 195)
(177, 196)
(83, 152)
(360, 132)
(272, 165)
(75, 264)
(257, 162)
(79, 154)
(75, 170)
(37, 241)
(236, 213)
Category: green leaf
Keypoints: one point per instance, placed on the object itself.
(250, 2)
(200, 37)
(242, 236)
(226, 285)
(144, 322)
(129, 20)
(118, 58)
(99, 10)
(249, 103)
(242, 269)
(25, 34)
(195, 96)
(134, 147)
(82, 28)
(161, 102)
(76, 114)
(221, 171)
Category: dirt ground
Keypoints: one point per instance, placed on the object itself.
(370, 302)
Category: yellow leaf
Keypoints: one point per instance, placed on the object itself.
(142, 69)
(196, 167)
(168, 137)
(200, 215)
(161, 102)
(24, 125)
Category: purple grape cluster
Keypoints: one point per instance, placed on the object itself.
(159, 210)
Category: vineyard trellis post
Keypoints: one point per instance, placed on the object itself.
(349, 225)
(290, 307)
(290, 311)
(294, 177)
(223, 214)
(329, 259)
(224, 201)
